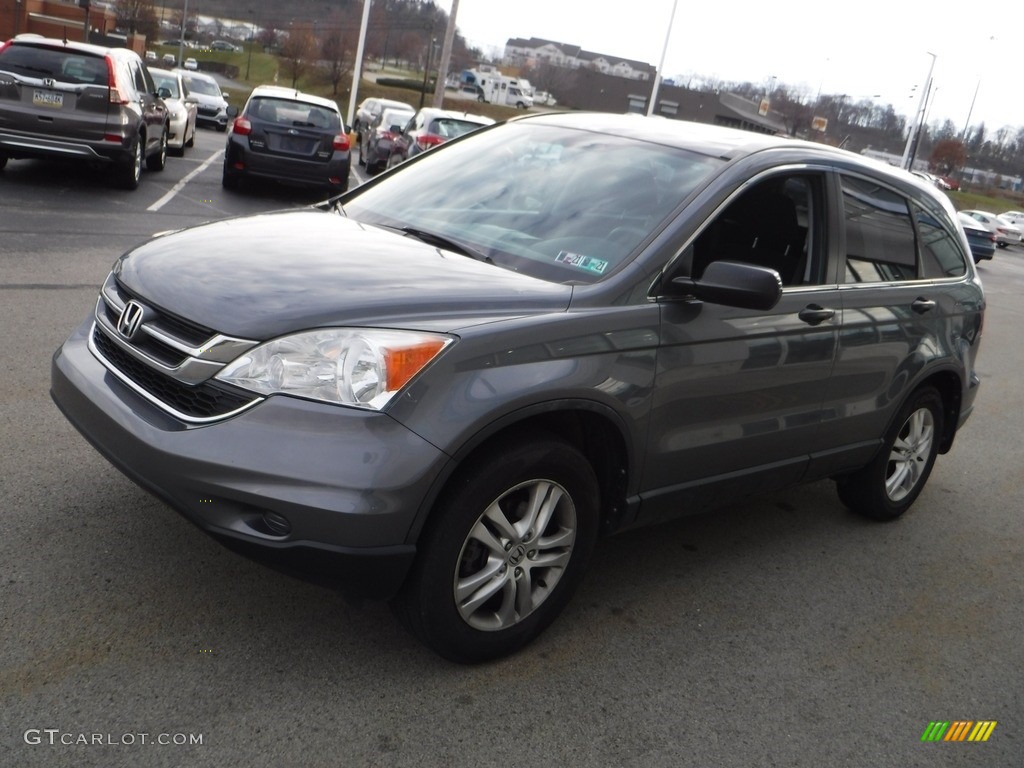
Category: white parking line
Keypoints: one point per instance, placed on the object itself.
(181, 184)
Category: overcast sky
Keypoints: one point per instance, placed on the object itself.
(863, 48)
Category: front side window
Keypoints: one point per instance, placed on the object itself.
(881, 245)
(776, 223)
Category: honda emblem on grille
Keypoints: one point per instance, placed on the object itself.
(131, 319)
(49, 82)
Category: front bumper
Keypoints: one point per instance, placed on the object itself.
(348, 484)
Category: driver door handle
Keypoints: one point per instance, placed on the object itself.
(814, 314)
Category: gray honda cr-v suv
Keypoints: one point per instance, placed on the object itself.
(75, 101)
(444, 386)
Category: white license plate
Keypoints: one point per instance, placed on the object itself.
(48, 99)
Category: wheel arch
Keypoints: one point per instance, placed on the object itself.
(950, 388)
(593, 429)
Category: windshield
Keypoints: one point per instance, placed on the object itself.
(557, 203)
(205, 87)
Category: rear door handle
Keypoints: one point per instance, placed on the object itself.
(922, 305)
(813, 314)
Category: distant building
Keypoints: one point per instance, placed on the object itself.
(590, 90)
(527, 53)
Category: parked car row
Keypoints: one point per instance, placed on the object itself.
(90, 103)
(390, 132)
(1001, 226)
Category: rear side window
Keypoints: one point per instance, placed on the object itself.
(881, 245)
(941, 253)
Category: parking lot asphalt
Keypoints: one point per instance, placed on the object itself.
(783, 631)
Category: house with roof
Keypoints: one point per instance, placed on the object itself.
(531, 52)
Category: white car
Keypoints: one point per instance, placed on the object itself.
(181, 106)
(1016, 218)
(191, 64)
(1006, 232)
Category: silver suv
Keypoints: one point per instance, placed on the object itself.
(444, 386)
(81, 102)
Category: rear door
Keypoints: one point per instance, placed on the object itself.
(905, 301)
(152, 108)
(56, 93)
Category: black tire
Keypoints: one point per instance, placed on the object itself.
(158, 160)
(885, 488)
(229, 180)
(191, 140)
(129, 172)
(514, 580)
(3, 162)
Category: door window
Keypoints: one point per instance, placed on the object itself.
(881, 245)
(776, 223)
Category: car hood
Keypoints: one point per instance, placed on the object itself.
(262, 276)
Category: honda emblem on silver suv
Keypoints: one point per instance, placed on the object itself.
(131, 319)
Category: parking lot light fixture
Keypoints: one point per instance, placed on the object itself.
(252, 42)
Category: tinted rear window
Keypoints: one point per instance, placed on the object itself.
(61, 65)
(298, 114)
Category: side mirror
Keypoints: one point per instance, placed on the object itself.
(232, 110)
(734, 284)
(226, 95)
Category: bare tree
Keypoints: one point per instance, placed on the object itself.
(336, 51)
(298, 52)
(138, 17)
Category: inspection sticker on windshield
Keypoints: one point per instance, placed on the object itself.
(589, 263)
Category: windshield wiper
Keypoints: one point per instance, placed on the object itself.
(443, 241)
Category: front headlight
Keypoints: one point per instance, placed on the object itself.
(347, 366)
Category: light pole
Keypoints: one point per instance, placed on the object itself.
(661, 64)
(967, 123)
(252, 42)
(17, 16)
(905, 163)
(426, 70)
(181, 36)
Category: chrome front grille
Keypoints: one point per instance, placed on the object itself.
(169, 361)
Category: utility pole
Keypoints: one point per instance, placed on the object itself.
(661, 64)
(181, 36)
(357, 71)
(905, 163)
(446, 55)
